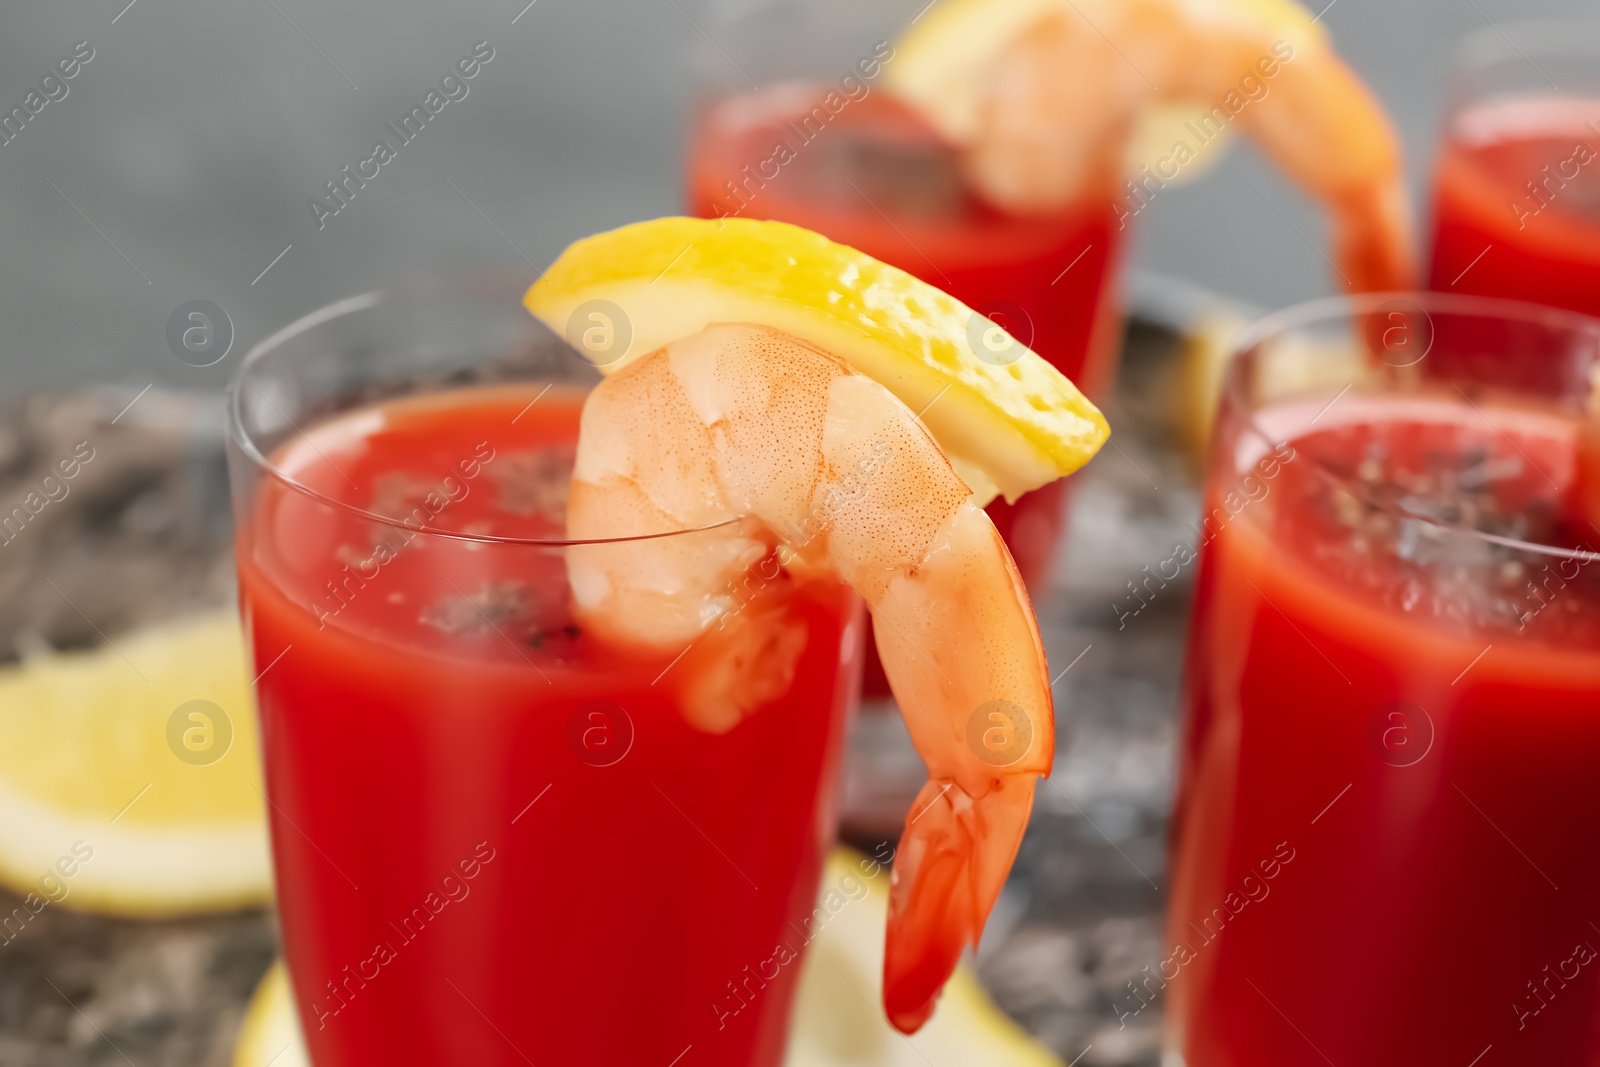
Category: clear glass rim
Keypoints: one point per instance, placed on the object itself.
(1488, 45)
(248, 447)
(1350, 307)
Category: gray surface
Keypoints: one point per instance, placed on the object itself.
(196, 135)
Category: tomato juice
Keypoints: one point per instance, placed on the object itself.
(1384, 842)
(498, 841)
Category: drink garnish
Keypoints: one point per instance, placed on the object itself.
(764, 402)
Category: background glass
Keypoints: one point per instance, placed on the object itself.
(1516, 209)
(1392, 700)
(794, 124)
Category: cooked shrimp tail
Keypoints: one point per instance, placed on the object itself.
(953, 859)
(1327, 132)
(1372, 230)
(980, 713)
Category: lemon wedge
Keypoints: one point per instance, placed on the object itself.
(1008, 420)
(838, 1018)
(1201, 365)
(837, 1021)
(130, 773)
(271, 1033)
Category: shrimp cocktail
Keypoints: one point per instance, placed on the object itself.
(554, 665)
(1001, 149)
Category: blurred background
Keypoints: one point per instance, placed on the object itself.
(181, 162)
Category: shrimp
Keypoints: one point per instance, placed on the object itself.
(1060, 101)
(793, 452)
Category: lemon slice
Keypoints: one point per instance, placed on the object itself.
(838, 1018)
(1008, 420)
(271, 1030)
(129, 775)
(945, 62)
(1201, 365)
(837, 1021)
(1162, 126)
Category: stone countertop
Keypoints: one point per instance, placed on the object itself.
(1090, 882)
(1079, 919)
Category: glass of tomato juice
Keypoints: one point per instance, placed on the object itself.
(494, 837)
(1516, 210)
(793, 123)
(1388, 796)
